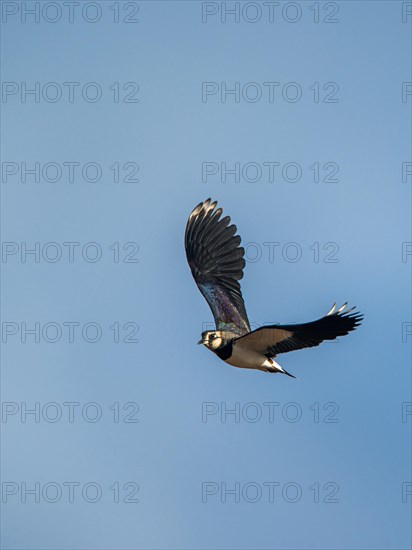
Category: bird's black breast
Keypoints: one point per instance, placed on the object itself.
(225, 351)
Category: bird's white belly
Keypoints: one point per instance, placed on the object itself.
(245, 358)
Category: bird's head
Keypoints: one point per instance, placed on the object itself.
(212, 339)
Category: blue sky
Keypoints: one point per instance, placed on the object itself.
(125, 401)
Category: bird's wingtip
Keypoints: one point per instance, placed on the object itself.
(332, 309)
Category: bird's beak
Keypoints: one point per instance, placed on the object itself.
(201, 341)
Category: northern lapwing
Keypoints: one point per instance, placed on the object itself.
(216, 260)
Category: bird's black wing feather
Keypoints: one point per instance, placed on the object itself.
(216, 260)
(274, 339)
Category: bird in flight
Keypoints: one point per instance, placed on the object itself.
(216, 260)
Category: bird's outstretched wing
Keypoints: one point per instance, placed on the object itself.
(273, 339)
(216, 261)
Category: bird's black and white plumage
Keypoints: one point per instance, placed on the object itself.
(216, 260)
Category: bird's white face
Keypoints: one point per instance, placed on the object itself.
(212, 339)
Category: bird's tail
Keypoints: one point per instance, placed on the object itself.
(288, 374)
(278, 368)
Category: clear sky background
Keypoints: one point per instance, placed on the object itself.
(336, 452)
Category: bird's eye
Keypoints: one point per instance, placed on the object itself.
(213, 336)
